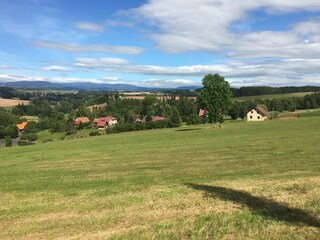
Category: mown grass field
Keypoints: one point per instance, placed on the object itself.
(272, 96)
(241, 181)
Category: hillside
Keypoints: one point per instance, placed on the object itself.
(241, 181)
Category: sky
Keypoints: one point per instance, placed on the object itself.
(161, 43)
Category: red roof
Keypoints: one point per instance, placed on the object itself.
(157, 118)
(102, 123)
(107, 119)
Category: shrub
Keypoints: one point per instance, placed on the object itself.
(47, 140)
(94, 133)
(8, 142)
(24, 143)
(30, 137)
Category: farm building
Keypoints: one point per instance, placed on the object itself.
(259, 113)
(21, 126)
(104, 122)
(80, 120)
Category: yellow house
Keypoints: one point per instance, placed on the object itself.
(259, 113)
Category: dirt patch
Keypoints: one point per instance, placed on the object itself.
(287, 118)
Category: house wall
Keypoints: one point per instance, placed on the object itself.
(113, 122)
(253, 115)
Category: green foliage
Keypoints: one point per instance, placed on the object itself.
(149, 105)
(193, 119)
(25, 143)
(175, 118)
(94, 133)
(29, 136)
(8, 142)
(215, 97)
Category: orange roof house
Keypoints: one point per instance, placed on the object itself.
(21, 126)
(80, 120)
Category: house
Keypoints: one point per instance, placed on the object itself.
(80, 120)
(104, 122)
(259, 113)
(21, 126)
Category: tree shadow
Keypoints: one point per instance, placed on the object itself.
(188, 129)
(260, 205)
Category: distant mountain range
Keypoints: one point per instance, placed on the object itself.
(86, 86)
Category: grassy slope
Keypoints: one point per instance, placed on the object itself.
(241, 181)
(272, 96)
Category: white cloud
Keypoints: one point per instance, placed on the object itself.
(110, 79)
(14, 78)
(56, 68)
(88, 26)
(202, 25)
(4, 66)
(124, 66)
(68, 47)
(274, 72)
(169, 83)
(99, 62)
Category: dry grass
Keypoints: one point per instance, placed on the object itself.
(12, 102)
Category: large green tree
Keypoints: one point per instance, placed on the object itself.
(215, 97)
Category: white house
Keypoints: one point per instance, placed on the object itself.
(258, 113)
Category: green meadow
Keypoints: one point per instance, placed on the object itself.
(257, 180)
(272, 96)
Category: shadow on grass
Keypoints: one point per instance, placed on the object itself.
(187, 129)
(260, 205)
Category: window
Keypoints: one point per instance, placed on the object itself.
(258, 117)
(250, 117)
(251, 111)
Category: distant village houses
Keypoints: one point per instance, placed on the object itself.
(259, 113)
(104, 122)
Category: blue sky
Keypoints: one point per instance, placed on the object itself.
(161, 43)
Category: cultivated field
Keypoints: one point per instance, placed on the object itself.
(11, 102)
(241, 181)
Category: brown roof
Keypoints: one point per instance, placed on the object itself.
(262, 110)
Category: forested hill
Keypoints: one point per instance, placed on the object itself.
(263, 90)
(10, 92)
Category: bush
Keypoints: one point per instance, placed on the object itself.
(193, 119)
(8, 142)
(94, 133)
(47, 140)
(30, 137)
(24, 143)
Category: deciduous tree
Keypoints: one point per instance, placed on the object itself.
(215, 97)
